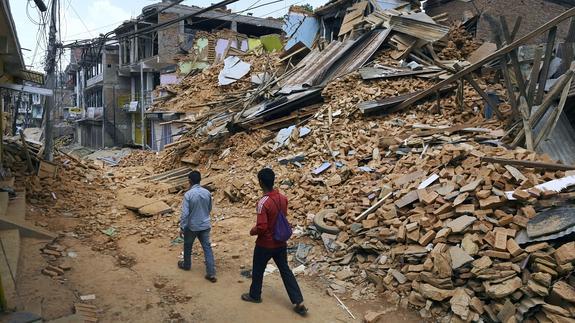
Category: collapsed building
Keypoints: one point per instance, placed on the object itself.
(423, 164)
(400, 148)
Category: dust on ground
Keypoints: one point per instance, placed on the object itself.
(129, 263)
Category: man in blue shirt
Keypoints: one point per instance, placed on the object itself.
(195, 222)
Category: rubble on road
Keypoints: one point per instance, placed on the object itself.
(409, 173)
(426, 205)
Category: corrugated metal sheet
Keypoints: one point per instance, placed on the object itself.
(282, 105)
(337, 59)
(561, 142)
(313, 66)
(419, 25)
(359, 54)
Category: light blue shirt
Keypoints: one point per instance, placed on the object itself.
(196, 209)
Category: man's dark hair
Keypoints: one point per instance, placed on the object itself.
(267, 178)
(195, 177)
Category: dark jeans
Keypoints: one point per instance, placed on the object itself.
(261, 258)
(204, 237)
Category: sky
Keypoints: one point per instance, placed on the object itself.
(81, 19)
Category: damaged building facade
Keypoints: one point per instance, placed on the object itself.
(150, 59)
(99, 92)
(114, 84)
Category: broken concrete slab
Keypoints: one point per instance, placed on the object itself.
(156, 208)
(461, 223)
(504, 289)
(459, 257)
(134, 201)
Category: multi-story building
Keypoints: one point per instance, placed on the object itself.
(20, 92)
(113, 84)
(99, 92)
(149, 59)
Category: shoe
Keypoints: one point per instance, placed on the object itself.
(246, 297)
(300, 309)
(213, 279)
(181, 265)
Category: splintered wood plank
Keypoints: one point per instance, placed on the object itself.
(546, 64)
(499, 53)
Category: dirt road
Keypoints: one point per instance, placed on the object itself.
(134, 277)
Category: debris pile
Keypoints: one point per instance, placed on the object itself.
(408, 173)
(199, 91)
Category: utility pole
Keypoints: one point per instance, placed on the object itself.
(50, 68)
(142, 119)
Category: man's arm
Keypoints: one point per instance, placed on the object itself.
(185, 212)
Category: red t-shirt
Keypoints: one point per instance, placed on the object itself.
(267, 210)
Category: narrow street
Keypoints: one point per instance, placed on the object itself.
(133, 273)
(413, 160)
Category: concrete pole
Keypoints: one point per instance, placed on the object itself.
(50, 69)
(142, 126)
(1, 130)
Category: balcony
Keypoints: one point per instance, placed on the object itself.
(95, 80)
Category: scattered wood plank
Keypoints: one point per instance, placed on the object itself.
(525, 115)
(526, 163)
(496, 55)
(372, 209)
(546, 64)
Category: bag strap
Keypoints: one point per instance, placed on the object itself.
(279, 210)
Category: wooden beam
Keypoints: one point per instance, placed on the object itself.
(546, 64)
(554, 117)
(537, 115)
(534, 76)
(372, 208)
(510, 89)
(568, 47)
(514, 59)
(496, 55)
(516, 27)
(507, 79)
(528, 164)
(26, 229)
(478, 89)
(525, 114)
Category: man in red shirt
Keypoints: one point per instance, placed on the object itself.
(267, 248)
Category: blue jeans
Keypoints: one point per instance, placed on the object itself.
(204, 237)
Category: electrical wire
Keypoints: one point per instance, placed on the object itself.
(107, 40)
(165, 25)
(41, 34)
(79, 17)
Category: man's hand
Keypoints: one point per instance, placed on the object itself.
(253, 231)
(181, 233)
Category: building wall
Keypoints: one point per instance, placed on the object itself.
(533, 12)
(116, 90)
(117, 121)
(169, 38)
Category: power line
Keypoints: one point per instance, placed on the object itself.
(77, 15)
(98, 28)
(166, 24)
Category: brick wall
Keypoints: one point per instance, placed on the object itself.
(168, 38)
